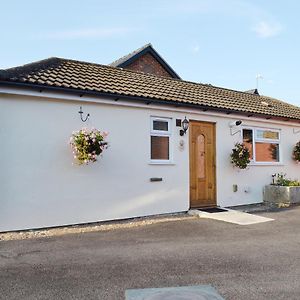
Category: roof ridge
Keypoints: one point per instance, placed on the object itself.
(29, 66)
(32, 63)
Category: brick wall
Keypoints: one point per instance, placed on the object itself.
(148, 64)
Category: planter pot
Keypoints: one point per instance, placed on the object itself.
(281, 196)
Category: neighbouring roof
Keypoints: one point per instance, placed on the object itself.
(128, 59)
(253, 91)
(82, 77)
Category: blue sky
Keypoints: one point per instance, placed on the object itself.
(225, 43)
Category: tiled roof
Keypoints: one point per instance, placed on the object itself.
(73, 75)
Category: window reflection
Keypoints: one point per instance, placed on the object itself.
(267, 152)
(248, 140)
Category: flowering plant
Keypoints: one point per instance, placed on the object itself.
(240, 156)
(296, 152)
(281, 180)
(87, 144)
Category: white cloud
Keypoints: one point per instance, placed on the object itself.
(266, 30)
(88, 33)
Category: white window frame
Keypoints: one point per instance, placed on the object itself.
(263, 140)
(164, 133)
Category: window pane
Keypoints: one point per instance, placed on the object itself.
(267, 134)
(160, 147)
(160, 125)
(248, 140)
(267, 152)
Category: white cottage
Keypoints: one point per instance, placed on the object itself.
(151, 166)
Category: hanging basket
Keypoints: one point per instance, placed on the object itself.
(88, 144)
(240, 156)
(296, 152)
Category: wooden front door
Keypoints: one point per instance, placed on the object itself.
(202, 164)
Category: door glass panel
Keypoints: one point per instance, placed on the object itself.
(201, 156)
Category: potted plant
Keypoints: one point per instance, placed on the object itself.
(240, 156)
(282, 192)
(88, 144)
(296, 152)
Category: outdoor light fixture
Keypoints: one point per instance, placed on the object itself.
(81, 112)
(235, 124)
(185, 126)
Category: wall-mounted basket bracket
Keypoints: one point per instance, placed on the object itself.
(83, 119)
(296, 131)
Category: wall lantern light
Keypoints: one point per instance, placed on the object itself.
(185, 126)
(235, 126)
(81, 112)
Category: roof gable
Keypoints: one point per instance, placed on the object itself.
(146, 51)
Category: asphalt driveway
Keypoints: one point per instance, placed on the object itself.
(259, 261)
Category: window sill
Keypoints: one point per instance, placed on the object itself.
(266, 164)
(168, 163)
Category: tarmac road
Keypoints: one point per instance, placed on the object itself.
(259, 261)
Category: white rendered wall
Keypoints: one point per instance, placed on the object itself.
(40, 187)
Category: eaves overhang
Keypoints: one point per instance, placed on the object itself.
(145, 100)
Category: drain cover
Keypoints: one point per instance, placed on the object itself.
(201, 292)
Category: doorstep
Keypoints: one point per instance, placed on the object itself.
(230, 216)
